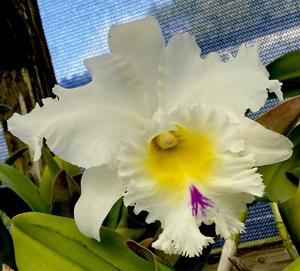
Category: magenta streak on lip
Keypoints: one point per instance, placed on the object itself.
(199, 201)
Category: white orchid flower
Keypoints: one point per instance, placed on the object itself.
(165, 129)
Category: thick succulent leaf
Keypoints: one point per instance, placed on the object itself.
(77, 178)
(295, 135)
(46, 184)
(11, 204)
(292, 93)
(50, 171)
(279, 187)
(47, 242)
(281, 119)
(4, 108)
(53, 166)
(294, 266)
(23, 187)
(71, 169)
(51, 163)
(294, 174)
(290, 209)
(285, 67)
(56, 164)
(145, 253)
(6, 246)
(125, 219)
(15, 155)
(290, 213)
(115, 214)
(131, 233)
(282, 116)
(65, 193)
(290, 90)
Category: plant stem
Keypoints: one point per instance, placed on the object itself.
(285, 237)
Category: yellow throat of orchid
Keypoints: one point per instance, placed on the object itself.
(177, 157)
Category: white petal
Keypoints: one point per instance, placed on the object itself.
(180, 234)
(226, 211)
(100, 189)
(237, 85)
(113, 74)
(267, 146)
(27, 130)
(141, 43)
(179, 72)
(236, 174)
(85, 126)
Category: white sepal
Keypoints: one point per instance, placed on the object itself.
(100, 189)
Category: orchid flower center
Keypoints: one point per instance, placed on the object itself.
(175, 159)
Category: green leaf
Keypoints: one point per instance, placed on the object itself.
(65, 194)
(6, 246)
(294, 135)
(124, 219)
(51, 163)
(115, 214)
(15, 155)
(56, 164)
(287, 70)
(259, 199)
(290, 213)
(294, 266)
(46, 184)
(5, 219)
(285, 67)
(11, 204)
(71, 169)
(23, 187)
(77, 178)
(131, 233)
(279, 187)
(290, 92)
(46, 242)
(294, 173)
(48, 176)
(281, 119)
(4, 108)
(53, 166)
(145, 253)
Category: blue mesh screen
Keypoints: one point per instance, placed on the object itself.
(77, 29)
(3, 148)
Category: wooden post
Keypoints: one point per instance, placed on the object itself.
(26, 73)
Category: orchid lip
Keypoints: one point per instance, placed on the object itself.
(199, 201)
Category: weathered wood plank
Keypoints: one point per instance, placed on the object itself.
(269, 257)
